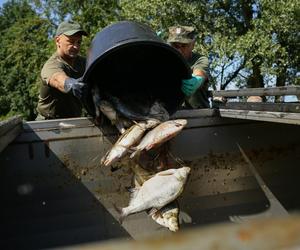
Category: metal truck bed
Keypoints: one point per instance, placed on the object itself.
(55, 193)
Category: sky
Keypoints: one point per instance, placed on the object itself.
(2, 1)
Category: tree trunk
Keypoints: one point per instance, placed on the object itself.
(280, 81)
(256, 80)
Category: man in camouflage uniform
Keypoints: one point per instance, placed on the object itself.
(61, 91)
(195, 89)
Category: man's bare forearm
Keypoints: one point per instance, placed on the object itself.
(198, 72)
(57, 81)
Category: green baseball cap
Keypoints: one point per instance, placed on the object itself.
(69, 28)
(181, 34)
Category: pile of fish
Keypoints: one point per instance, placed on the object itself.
(144, 126)
(168, 215)
(157, 192)
(133, 120)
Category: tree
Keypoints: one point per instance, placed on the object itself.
(92, 15)
(252, 43)
(27, 30)
(24, 46)
(247, 41)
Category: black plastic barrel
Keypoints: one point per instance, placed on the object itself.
(127, 59)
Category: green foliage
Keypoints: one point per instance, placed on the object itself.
(92, 15)
(162, 14)
(258, 41)
(249, 43)
(23, 50)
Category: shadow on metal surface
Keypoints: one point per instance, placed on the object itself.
(274, 209)
(43, 204)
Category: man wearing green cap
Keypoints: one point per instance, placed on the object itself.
(61, 91)
(195, 89)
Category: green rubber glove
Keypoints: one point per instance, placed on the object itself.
(189, 86)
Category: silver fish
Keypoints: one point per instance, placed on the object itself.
(158, 111)
(108, 110)
(168, 216)
(96, 99)
(139, 110)
(126, 140)
(128, 110)
(163, 188)
(160, 134)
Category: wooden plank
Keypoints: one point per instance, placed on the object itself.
(274, 107)
(274, 91)
(194, 113)
(279, 117)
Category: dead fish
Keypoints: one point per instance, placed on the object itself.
(160, 134)
(96, 99)
(158, 111)
(126, 140)
(128, 109)
(168, 216)
(63, 125)
(108, 110)
(163, 188)
(139, 110)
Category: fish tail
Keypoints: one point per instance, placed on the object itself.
(107, 162)
(137, 152)
(102, 160)
(150, 146)
(120, 213)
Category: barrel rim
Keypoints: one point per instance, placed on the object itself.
(127, 43)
